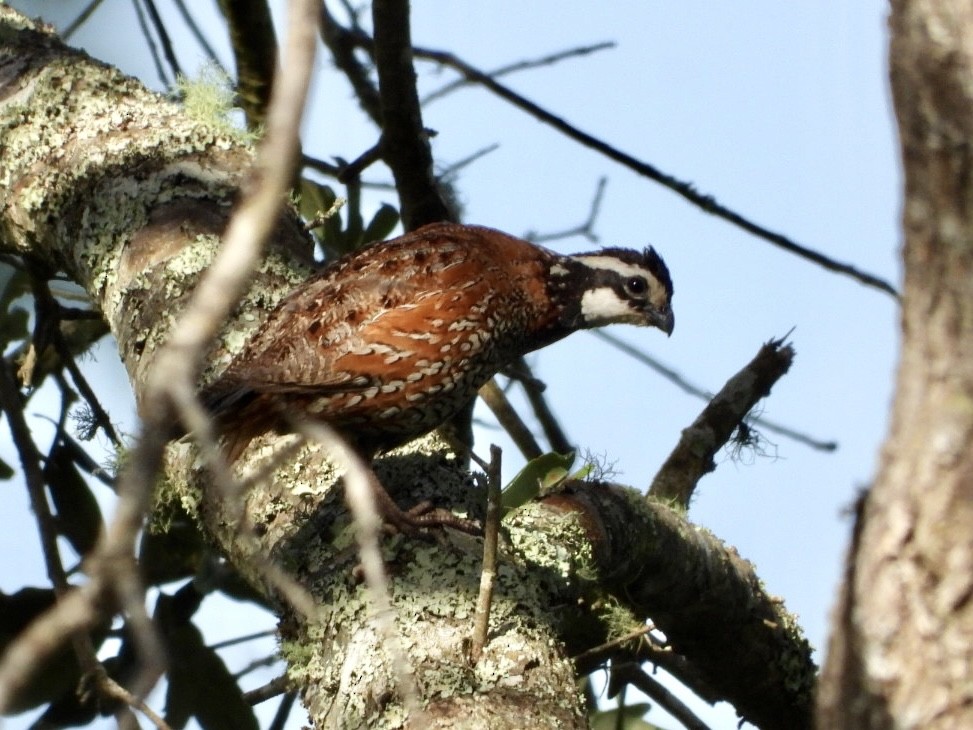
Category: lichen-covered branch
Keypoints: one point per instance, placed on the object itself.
(693, 456)
(741, 642)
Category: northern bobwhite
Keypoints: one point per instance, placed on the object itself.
(392, 340)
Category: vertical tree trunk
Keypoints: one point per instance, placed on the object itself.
(902, 650)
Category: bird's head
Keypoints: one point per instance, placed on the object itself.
(618, 285)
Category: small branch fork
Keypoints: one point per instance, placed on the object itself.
(694, 390)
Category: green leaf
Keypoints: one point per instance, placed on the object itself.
(78, 513)
(13, 325)
(382, 224)
(200, 685)
(59, 674)
(316, 199)
(172, 553)
(538, 474)
(629, 717)
(6, 471)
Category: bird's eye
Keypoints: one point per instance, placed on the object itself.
(636, 286)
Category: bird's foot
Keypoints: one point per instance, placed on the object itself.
(415, 520)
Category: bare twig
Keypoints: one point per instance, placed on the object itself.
(283, 712)
(254, 46)
(548, 60)
(705, 202)
(171, 381)
(491, 533)
(273, 688)
(83, 16)
(693, 455)
(197, 33)
(602, 652)
(634, 675)
(49, 311)
(354, 169)
(509, 419)
(110, 688)
(164, 39)
(451, 171)
(687, 387)
(150, 42)
(242, 639)
(586, 229)
(342, 44)
(534, 390)
(30, 458)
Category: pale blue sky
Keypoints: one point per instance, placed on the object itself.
(780, 110)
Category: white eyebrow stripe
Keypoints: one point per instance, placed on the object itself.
(609, 263)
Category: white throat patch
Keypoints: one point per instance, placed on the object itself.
(603, 306)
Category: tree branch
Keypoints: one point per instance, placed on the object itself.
(405, 144)
(706, 203)
(255, 50)
(705, 598)
(693, 456)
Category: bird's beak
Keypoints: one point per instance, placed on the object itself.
(664, 320)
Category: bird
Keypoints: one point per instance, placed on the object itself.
(392, 340)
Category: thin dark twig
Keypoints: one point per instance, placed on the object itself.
(586, 229)
(283, 712)
(342, 43)
(534, 390)
(634, 675)
(449, 172)
(153, 49)
(30, 459)
(164, 39)
(356, 167)
(83, 16)
(511, 422)
(548, 60)
(706, 202)
(321, 166)
(680, 382)
(241, 639)
(405, 143)
(49, 310)
(194, 28)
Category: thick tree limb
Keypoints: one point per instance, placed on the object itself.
(901, 655)
(705, 598)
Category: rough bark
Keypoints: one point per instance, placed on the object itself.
(902, 650)
(124, 192)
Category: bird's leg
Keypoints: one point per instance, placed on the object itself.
(421, 516)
